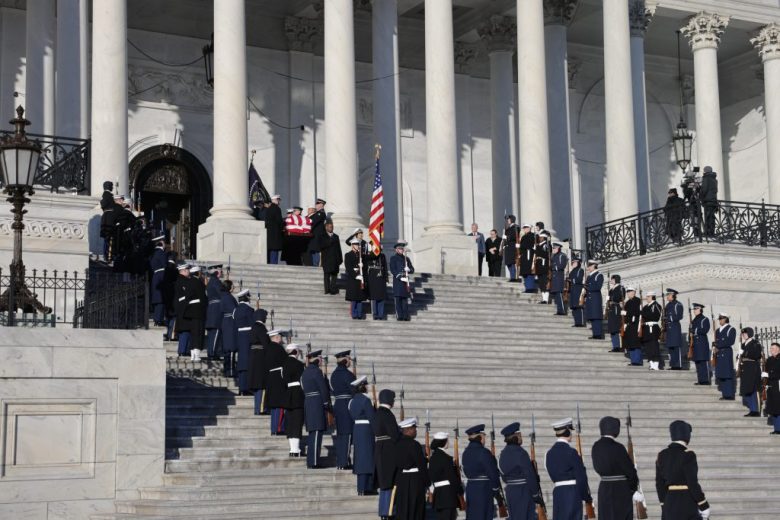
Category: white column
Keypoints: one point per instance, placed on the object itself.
(704, 30)
(39, 74)
(109, 95)
(499, 35)
(640, 16)
(387, 112)
(341, 168)
(71, 71)
(535, 191)
(620, 199)
(768, 44)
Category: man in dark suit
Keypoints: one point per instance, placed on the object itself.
(318, 219)
(274, 229)
(331, 258)
(677, 479)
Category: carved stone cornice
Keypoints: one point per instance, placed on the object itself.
(302, 33)
(559, 12)
(768, 42)
(465, 54)
(53, 229)
(640, 13)
(499, 33)
(703, 30)
(184, 87)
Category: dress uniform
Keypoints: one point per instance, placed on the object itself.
(700, 328)
(276, 388)
(632, 313)
(376, 282)
(445, 480)
(651, 331)
(483, 481)
(401, 267)
(772, 376)
(213, 311)
(341, 386)
(542, 265)
(517, 471)
(576, 288)
(244, 315)
(157, 264)
(195, 312)
(181, 292)
(511, 245)
(292, 370)
(527, 246)
(674, 342)
(725, 337)
(411, 477)
(677, 480)
(258, 369)
(567, 473)
(228, 330)
(593, 300)
(318, 219)
(385, 435)
(316, 407)
(619, 479)
(356, 270)
(558, 266)
(750, 371)
(330, 251)
(362, 412)
(615, 300)
(274, 230)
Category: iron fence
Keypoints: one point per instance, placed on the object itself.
(58, 291)
(767, 335)
(746, 223)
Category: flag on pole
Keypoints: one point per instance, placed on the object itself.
(376, 221)
(258, 195)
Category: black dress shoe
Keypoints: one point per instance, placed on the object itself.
(753, 414)
(596, 337)
(614, 350)
(774, 433)
(560, 314)
(727, 399)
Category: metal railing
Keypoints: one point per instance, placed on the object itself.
(114, 301)
(58, 291)
(767, 335)
(727, 222)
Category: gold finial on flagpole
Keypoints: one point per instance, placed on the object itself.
(378, 149)
(252, 159)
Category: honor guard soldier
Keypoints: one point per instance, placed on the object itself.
(228, 329)
(213, 311)
(183, 325)
(527, 245)
(376, 283)
(558, 266)
(481, 471)
(362, 412)
(330, 252)
(258, 369)
(401, 267)
(725, 337)
(292, 369)
(245, 317)
(619, 484)
(157, 264)
(617, 296)
(318, 219)
(358, 234)
(593, 300)
(411, 477)
(750, 357)
(567, 473)
(542, 265)
(632, 314)
(195, 311)
(356, 270)
(276, 388)
(385, 435)
(677, 479)
(700, 328)
(522, 486)
(341, 386)
(651, 331)
(674, 342)
(510, 245)
(771, 378)
(576, 289)
(444, 479)
(316, 408)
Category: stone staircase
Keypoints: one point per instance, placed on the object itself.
(475, 346)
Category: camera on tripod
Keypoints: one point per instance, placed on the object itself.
(691, 185)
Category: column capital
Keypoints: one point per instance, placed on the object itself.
(499, 33)
(465, 54)
(640, 13)
(302, 33)
(704, 29)
(559, 12)
(768, 42)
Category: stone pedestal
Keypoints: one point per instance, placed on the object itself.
(238, 240)
(444, 254)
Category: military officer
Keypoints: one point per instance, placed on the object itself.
(385, 435)
(258, 369)
(615, 301)
(362, 413)
(356, 271)
(510, 245)
(632, 314)
(674, 343)
(771, 377)
(183, 325)
(446, 482)
(228, 330)
(700, 328)
(483, 480)
(276, 388)
(567, 472)
(318, 219)
(341, 385)
(316, 407)
(244, 315)
(213, 311)
(358, 234)
(651, 330)
(576, 289)
(677, 480)
(330, 251)
(558, 266)
(542, 265)
(527, 245)
(292, 370)
(411, 477)
(521, 485)
(725, 337)
(593, 303)
(401, 267)
(750, 357)
(157, 265)
(619, 484)
(195, 311)
(376, 282)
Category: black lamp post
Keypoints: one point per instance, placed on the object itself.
(208, 61)
(18, 166)
(682, 137)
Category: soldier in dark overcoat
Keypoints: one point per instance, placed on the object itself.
(527, 245)
(245, 317)
(447, 486)
(510, 245)
(567, 472)
(181, 293)
(725, 337)
(771, 378)
(700, 328)
(632, 315)
(362, 413)
(521, 485)
(615, 300)
(411, 477)
(376, 282)
(316, 407)
(355, 269)
(483, 481)
(157, 265)
(274, 230)
(673, 315)
(195, 311)
(214, 311)
(340, 384)
(619, 479)
(318, 219)
(542, 265)
(385, 435)
(401, 267)
(294, 398)
(558, 265)
(330, 251)
(228, 329)
(750, 358)
(258, 368)
(576, 288)
(276, 388)
(651, 331)
(677, 479)
(594, 308)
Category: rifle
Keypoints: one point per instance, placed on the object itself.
(326, 361)
(764, 381)
(360, 266)
(566, 287)
(662, 337)
(373, 386)
(427, 434)
(584, 290)
(541, 509)
(406, 275)
(258, 296)
(690, 331)
(228, 268)
(354, 360)
(500, 500)
(308, 349)
(590, 512)
(714, 358)
(641, 508)
(549, 263)
(403, 414)
(641, 319)
(609, 300)
(517, 252)
(456, 462)
(272, 319)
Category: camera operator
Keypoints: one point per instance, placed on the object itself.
(674, 211)
(709, 199)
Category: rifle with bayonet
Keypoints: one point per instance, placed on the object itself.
(456, 462)
(541, 509)
(590, 512)
(373, 386)
(662, 337)
(640, 332)
(308, 349)
(228, 269)
(272, 319)
(500, 500)
(327, 349)
(764, 381)
(401, 395)
(714, 358)
(427, 434)
(354, 360)
(690, 331)
(641, 507)
(609, 300)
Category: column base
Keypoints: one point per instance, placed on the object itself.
(344, 225)
(240, 240)
(444, 254)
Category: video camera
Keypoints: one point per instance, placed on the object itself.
(691, 185)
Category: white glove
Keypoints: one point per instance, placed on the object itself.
(638, 497)
(705, 514)
(503, 237)
(764, 375)
(404, 279)
(517, 246)
(406, 269)
(359, 277)
(622, 313)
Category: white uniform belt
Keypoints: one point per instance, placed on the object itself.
(312, 394)
(441, 483)
(652, 323)
(566, 483)
(295, 383)
(343, 397)
(382, 438)
(244, 329)
(227, 315)
(516, 481)
(196, 300)
(478, 479)
(277, 368)
(613, 478)
(411, 470)
(213, 301)
(362, 421)
(160, 269)
(182, 298)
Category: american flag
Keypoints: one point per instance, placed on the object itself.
(376, 221)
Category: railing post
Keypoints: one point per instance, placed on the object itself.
(146, 301)
(763, 224)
